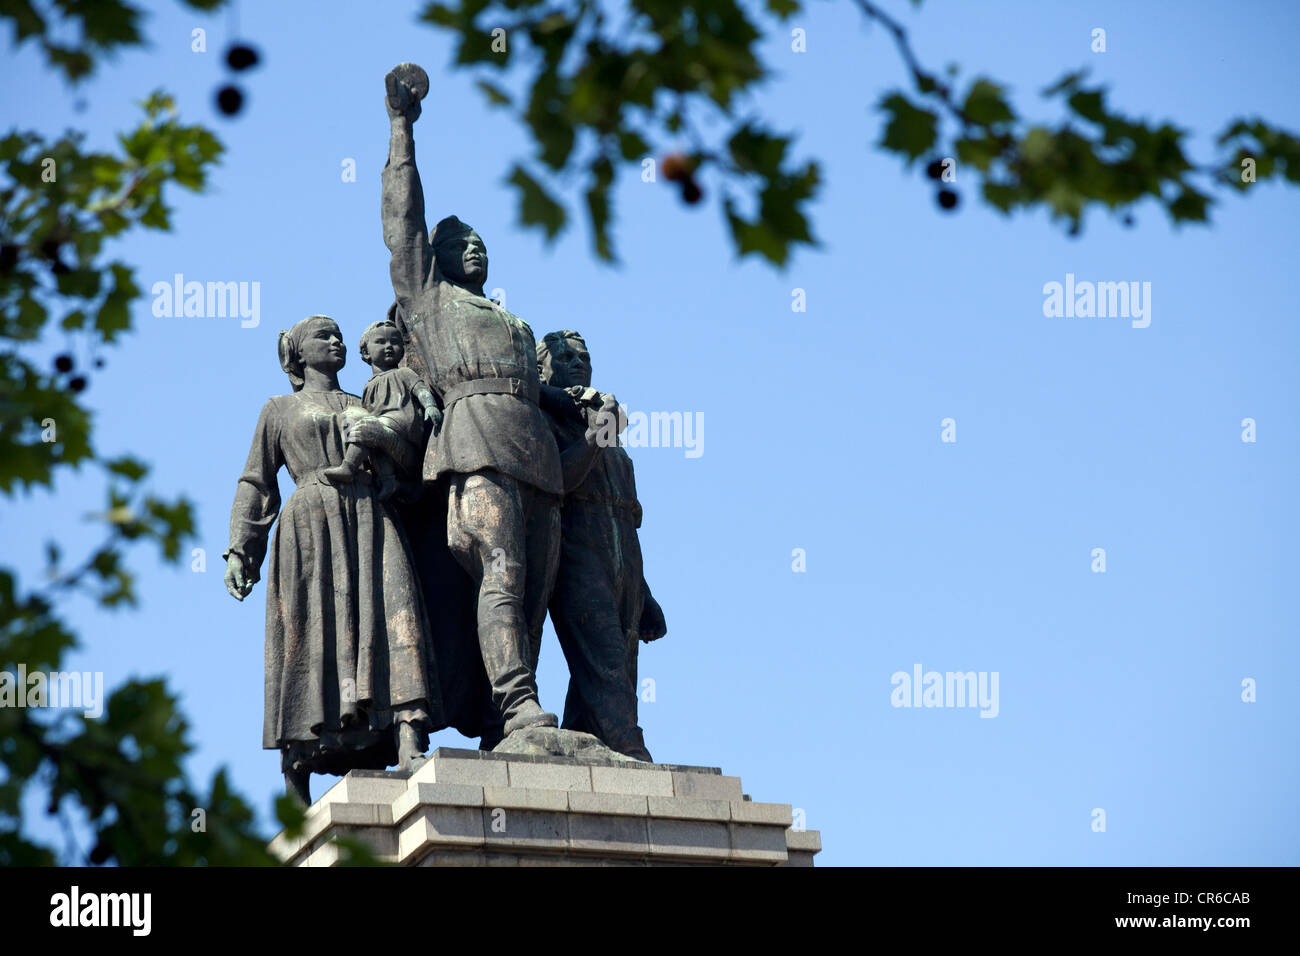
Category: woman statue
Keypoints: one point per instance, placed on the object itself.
(350, 676)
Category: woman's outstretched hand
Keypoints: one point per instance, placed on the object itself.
(237, 582)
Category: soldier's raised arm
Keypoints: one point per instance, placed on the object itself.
(402, 203)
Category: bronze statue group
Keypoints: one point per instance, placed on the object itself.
(475, 484)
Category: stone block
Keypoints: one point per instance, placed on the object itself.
(617, 804)
(756, 843)
(647, 783)
(470, 808)
(475, 773)
(808, 841)
(436, 794)
(609, 834)
(360, 814)
(323, 817)
(327, 854)
(525, 798)
(683, 808)
(380, 840)
(454, 858)
(439, 827)
(689, 838)
(774, 814)
(365, 786)
(706, 786)
(461, 753)
(549, 776)
(524, 829)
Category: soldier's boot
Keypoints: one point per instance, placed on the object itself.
(493, 728)
(630, 743)
(504, 642)
(411, 744)
(529, 714)
(297, 784)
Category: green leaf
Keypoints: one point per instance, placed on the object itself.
(979, 152)
(439, 14)
(536, 207)
(1000, 195)
(1066, 84)
(598, 207)
(114, 315)
(129, 468)
(1037, 144)
(123, 773)
(1189, 206)
(756, 238)
(76, 319)
(782, 9)
(79, 283)
(32, 316)
(1090, 104)
(756, 150)
(496, 96)
(986, 104)
(631, 146)
(910, 130)
(27, 22)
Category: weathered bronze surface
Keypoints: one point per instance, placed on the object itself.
(350, 678)
(473, 485)
(601, 606)
(494, 447)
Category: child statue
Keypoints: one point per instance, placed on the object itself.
(401, 402)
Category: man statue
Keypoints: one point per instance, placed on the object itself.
(494, 449)
(601, 605)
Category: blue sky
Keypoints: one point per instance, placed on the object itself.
(1119, 691)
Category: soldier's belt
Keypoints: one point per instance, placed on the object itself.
(490, 386)
(633, 508)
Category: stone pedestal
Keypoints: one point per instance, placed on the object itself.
(471, 808)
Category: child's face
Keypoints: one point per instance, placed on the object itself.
(385, 348)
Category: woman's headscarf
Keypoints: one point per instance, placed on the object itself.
(290, 347)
